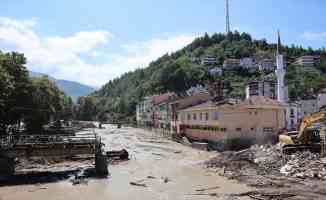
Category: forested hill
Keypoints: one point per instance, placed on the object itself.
(71, 88)
(177, 72)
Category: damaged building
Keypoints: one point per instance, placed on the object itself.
(255, 119)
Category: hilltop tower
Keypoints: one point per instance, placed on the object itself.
(227, 17)
(280, 71)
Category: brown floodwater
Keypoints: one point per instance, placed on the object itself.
(168, 169)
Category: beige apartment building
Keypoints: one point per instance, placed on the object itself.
(256, 117)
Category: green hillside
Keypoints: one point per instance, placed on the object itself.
(176, 72)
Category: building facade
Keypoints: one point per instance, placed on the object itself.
(231, 63)
(264, 88)
(307, 60)
(257, 117)
(248, 63)
(266, 65)
(321, 99)
(216, 71)
(161, 110)
(144, 112)
(297, 110)
(293, 116)
(185, 102)
(209, 60)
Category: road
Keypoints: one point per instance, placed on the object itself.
(169, 170)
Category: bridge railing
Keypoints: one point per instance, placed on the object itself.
(11, 141)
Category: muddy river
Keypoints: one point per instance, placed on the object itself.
(168, 170)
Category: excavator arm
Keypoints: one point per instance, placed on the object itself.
(307, 122)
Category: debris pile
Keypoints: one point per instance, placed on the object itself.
(305, 165)
(257, 160)
(274, 175)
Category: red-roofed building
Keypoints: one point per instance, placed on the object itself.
(161, 110)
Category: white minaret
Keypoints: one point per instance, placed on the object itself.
(280, 72)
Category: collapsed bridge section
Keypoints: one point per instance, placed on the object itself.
(25, 146)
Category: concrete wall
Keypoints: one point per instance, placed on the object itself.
(321, 100)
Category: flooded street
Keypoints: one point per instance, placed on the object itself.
(166, 169)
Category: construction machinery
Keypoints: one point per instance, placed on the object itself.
(310, 136)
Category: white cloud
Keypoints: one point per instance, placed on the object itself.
(63, 57)
(314, 36)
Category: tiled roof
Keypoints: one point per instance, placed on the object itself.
(261, 101)
(252, 102)
(192, 100)
(157, 99)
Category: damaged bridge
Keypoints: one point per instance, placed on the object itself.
(25, 146)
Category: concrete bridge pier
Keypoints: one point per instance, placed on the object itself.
(101, 164)
(7, 166)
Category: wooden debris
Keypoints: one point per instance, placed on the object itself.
(203, 194)
(36, 189)
(205, 189)
(138, 184)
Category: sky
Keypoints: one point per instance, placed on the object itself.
(94, 41)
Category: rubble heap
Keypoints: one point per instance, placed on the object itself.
(300, 175)
(305, 165)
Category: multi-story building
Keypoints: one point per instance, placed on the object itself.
(161, 110)
(209, 60)
(186, 102)
(298, 109)
(248, 63)
(264, 88)
(196, 89)
(231, 63)
(216, 71)
(321, 99)
(307, 60)
(266, 65)
(308, 106)
(293, 116)
(256, 118)
(144, 112)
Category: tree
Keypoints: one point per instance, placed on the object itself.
(47, 103)
(14, 92)
(86, 108)
(245, 36)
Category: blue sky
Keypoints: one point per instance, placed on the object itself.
(95, 41)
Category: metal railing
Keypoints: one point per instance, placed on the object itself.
(12, 141)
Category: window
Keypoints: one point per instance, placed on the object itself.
(252, 129)
(182, 116)
(238, 129)
(194, 116)
(206, 116)
(268, 129)
(223, 129)
(215, 115)
(201, 116)
(189, 117)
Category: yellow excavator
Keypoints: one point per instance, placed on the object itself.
(310, 136)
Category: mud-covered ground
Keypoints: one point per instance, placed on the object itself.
(158, 169)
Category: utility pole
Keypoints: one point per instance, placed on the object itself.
(227, 17)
